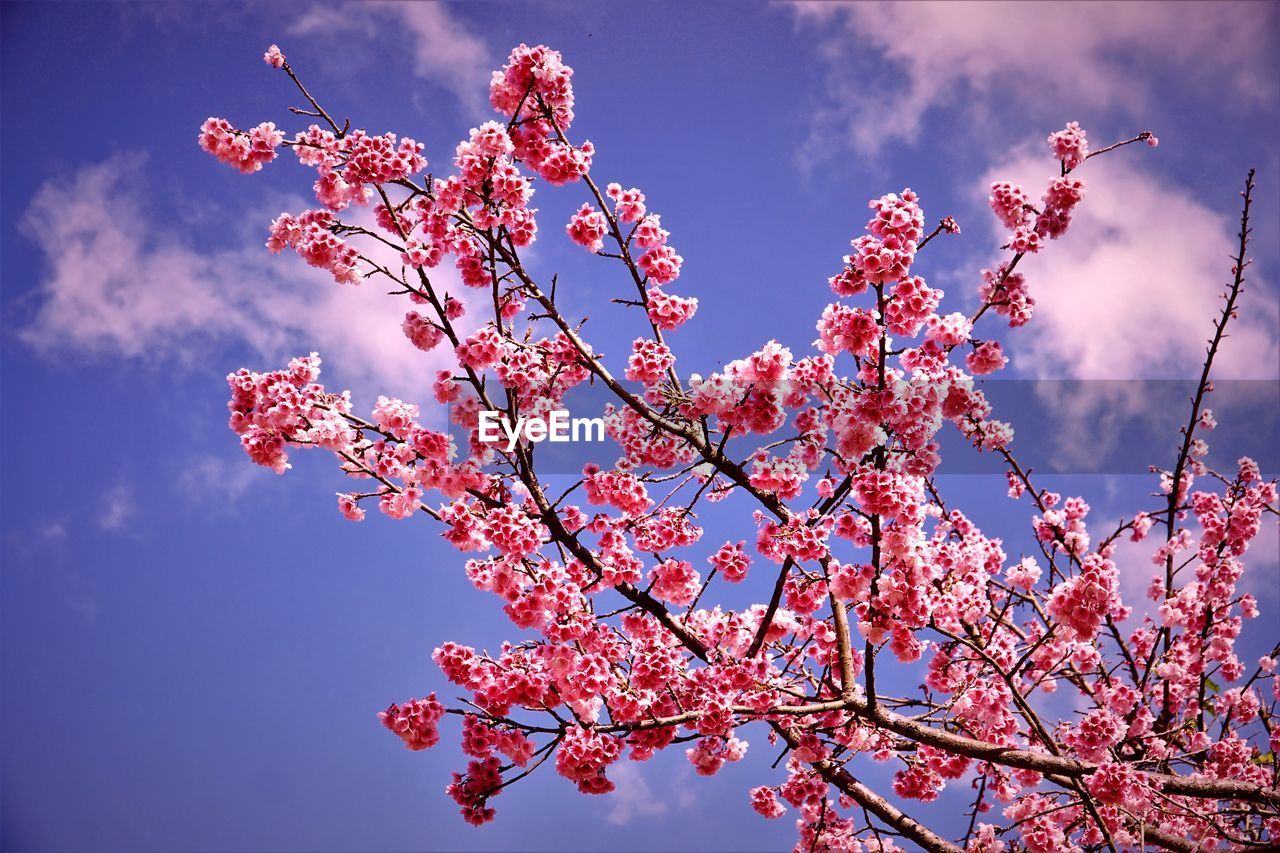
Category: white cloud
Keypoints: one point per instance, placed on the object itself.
(117, 284)
(216, 482)
(890, 64)
(444, 51)
(118, 508)
(53, 530)
(1133, 289)
(1093, 416)
(633, 798)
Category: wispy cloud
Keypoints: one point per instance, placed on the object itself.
(117, 283)
(52, 531)
(633, 798)
(216, 482)
(118, 507)
(889, 65)
(443, 48)
(1133, 288)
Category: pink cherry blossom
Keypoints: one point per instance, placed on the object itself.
(1009, 203)
(675, 581)
(731, 561)
(628, 205)
(987, 357)
(661, 264)
(274, 57)
(349, 508)
(668, 311)
(587, 228)
(765, 802)
(415, 721)
(1069, 145)
(1021, 679)
(424, 334)
(247, 151)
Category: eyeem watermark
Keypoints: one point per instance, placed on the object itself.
(556, 427)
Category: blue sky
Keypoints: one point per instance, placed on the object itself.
(194, 650)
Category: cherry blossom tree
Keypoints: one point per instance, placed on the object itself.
(1077, 722)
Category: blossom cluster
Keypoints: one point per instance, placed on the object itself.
(830, 458)
(247, 151)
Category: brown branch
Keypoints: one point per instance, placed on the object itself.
(844, 781)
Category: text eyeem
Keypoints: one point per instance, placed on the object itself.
(557, 426)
